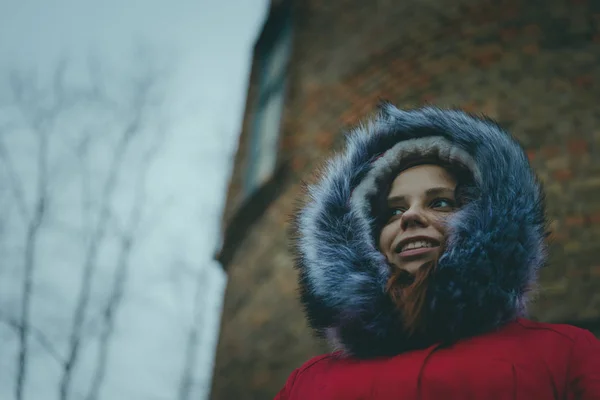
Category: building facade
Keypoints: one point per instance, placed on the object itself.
(319, 66)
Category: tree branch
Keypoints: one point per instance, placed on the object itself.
(121, 276)
(38, 335)
(14, 183)
(37, 122)
(191, 348)
(97, 237)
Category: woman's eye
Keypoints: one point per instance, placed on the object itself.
(396, 212)
(442, 203)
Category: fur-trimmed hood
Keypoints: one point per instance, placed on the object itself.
(495, 245)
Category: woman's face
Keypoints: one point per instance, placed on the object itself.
(420, 200)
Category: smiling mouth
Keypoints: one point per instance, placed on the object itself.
(411, 253)
(417, 248)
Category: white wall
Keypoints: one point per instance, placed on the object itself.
(118, 121)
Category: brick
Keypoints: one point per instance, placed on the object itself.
(324, 139)
(575, 221)
(422, 81)
(260, 378)
(259, 318)
(490, 108)
(532, 30)
(558, 163)
(572, 247)
(576, 272)
(584, 81)
(551, 151)
(488, 55)
(560, 84)
(508, 34)
(587, 313)
(487, 59)
(578, 147)
(562, 175)
(595, 271)
(508, 11)
(557, 287)
(557, 237)
(428, 98)
(288, 142)
(531, 49)
(470, 107)
(349, 118)
(298, 163)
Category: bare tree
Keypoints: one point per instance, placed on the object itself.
(40, 119)
(138, 111)
(128, 238)
(132, 114)
(89, 267)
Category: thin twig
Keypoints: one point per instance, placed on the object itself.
(97, 237)
(30, 262)
(191, 348)
(38, 335)
(14, 182)
(27, 95)
(81, 152)
(121, 276)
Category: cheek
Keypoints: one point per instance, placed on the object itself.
(383, 239)
(440, 223)
(386, 237)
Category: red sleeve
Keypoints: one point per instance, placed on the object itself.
(285, 392)
(584, 371)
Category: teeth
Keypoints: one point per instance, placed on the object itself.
(416, 245)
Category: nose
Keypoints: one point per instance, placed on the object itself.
(413, 217)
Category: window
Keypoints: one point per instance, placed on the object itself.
(273, 60)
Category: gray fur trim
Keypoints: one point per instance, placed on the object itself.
(495, 245)
(428, 147)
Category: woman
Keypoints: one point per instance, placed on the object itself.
(417, 250)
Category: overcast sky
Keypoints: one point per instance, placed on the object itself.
(202, 49)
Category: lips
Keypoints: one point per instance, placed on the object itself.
(414, 242)
(416, 246)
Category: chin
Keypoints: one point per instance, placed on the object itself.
(413, 266)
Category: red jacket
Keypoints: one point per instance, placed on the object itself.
(523, 360)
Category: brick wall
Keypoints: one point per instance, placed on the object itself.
(533, 65)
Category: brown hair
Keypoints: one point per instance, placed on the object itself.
(408, 293)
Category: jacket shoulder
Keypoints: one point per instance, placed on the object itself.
(315, 361)
(569, 332)
(285, 392)
(583, 365)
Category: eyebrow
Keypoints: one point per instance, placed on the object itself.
(429, 192)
